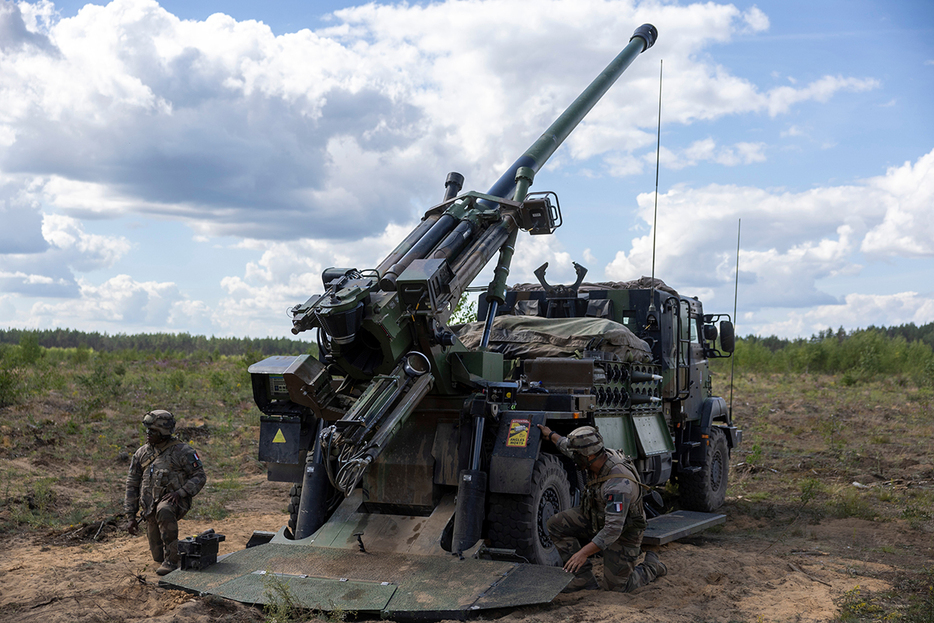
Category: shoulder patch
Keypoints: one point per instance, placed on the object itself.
(615, 507)
(195, 459)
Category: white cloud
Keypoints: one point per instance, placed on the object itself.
(792, 130)
(82, 251)
(124, 107)
(781, 99)
(856, 311)
(908, 227)
(121, 303)
(21, 217)
(756, 20)
(789, 240)
(46, 267)
(707, 150)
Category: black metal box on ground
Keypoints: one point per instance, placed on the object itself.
(199, 552)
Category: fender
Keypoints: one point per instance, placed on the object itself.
(715, 410)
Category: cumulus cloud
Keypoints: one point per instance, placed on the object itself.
(907, 228)
(334, 134)
(121, 303)
(790, 241)
(16, 35)
(856, 311)
(20, 213)
(47, 269)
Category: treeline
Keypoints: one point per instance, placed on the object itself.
(863, 354)
(910, 332)
(176, 343)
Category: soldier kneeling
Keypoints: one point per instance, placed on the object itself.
(164, 475)
(610, 518)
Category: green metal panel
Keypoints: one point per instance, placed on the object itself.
(678, 524)
(388, 584)
(485, 364)
(652, 434)
(618, 433)
(315, 593)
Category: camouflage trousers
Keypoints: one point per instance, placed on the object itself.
(162, 531)
(569, 530)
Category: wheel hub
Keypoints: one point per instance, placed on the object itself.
(548, 506)
(716, 471)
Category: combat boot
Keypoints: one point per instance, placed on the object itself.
(170, 563)
(167, 567)
(655, 565)
(582, 583)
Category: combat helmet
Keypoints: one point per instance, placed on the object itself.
(160, 421)
(585, 441)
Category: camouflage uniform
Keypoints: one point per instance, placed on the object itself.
(612, 517)
(156, 471)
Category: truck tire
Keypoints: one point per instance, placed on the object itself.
(295, 497)
(705, 490)
(518, 521)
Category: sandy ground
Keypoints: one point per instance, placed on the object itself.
(745, 571)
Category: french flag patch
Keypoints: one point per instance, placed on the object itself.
(614, 507)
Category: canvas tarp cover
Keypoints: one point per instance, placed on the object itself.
(525, 337)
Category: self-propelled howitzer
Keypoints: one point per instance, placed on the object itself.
(407, 442)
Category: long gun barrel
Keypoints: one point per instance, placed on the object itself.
(535, 156)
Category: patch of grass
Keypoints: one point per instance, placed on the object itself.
(283, 607)
(755, 456)
(100, 386)
(847, 501)
(281, 604)
(921, 603)
(857, 605)
(212, 502)
(35, 508)
(912, 601)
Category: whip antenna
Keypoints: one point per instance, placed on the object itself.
(658, 148)
(739, 227)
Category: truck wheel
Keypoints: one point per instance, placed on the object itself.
(295, 497)
(705, 490)
(518, 521)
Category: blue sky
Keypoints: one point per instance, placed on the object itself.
(193, 166)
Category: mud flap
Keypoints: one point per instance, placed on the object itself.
(391, 584)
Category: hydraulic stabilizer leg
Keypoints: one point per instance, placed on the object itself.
(312, 506)
(471, 493)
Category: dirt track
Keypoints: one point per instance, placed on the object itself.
(748, 570)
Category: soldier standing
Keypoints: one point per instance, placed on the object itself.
(610, 518)
(164, 475)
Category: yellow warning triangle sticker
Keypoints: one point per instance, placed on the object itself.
(279, 438)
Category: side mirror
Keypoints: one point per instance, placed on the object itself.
(727, 339)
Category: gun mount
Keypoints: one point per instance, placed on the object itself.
(371, 322)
